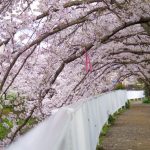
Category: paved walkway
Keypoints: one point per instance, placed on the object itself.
(131, 130)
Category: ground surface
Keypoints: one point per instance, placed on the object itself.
(131, 130)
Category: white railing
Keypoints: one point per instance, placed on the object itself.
(75, 127)
(135, 94)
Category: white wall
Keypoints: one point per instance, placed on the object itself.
(135, 94)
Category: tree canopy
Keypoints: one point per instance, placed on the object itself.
(43, 44)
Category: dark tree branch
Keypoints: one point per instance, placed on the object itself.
(126, 50)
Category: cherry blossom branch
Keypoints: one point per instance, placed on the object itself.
(79, 2)
(64, 26)
(67, 5)
(137, 44)
(57, 29)
(5, 42)
(19, 70)
(62, 65)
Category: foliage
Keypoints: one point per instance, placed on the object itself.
(99, 147)
(147, 91)
(111, 119)
(120, 111)
(32, 121)
(3, 131)
(146, 100)
(119, 86)
(8, 122)
(5, 128)
(127, 104)
(139, 86)
(105, 129)
(6, 110)
(13, 113)
(11, 96)
(102, 135)
(136, 86)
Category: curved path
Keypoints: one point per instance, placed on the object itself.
(131, 130)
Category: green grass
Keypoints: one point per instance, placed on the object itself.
(120, 111)
(105, 129)
(146, 100)
(104, 132)
(111, 119)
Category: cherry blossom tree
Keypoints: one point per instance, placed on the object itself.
(44, 45)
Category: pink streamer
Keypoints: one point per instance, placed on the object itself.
(87, 62)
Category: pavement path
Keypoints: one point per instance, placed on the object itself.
(131, 130)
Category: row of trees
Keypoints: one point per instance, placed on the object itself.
(43, 44)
